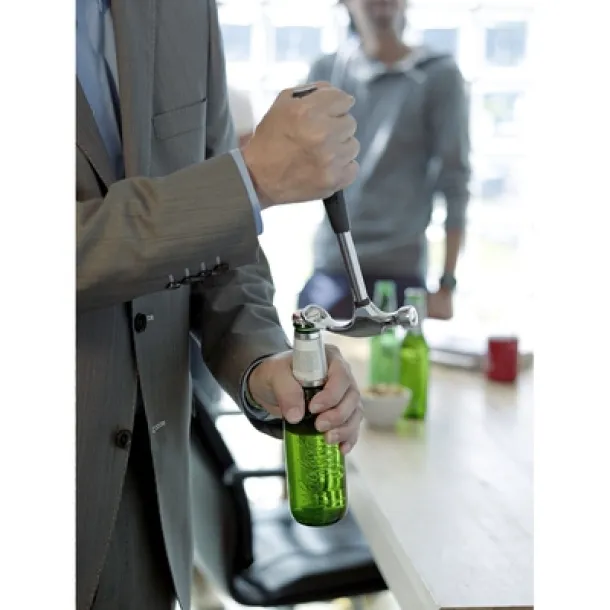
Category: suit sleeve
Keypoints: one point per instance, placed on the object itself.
(233, 317)
(146, 231)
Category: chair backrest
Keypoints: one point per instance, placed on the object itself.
(222, 522)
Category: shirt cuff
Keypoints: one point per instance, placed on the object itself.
(245, 176)
(249, 406)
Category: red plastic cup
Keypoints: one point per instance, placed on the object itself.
(502, 359)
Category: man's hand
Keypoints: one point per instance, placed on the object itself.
(440, 304)
(304, 148)
(273, 387)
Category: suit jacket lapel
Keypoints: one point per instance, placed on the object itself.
(135, 63)
(89, 140)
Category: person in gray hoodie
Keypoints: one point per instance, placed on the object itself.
(412, 113)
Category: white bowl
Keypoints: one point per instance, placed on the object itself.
(383, 412)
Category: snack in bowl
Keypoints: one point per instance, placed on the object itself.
(384, 404)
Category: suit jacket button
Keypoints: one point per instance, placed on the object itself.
(139, 323)
(123, 439)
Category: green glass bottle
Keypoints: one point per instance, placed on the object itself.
(315, 470)
(415, 359)
(384, 361)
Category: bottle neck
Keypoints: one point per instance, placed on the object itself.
(416, 331)
(417, 300)
(309, 359)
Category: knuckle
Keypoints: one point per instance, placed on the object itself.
(348, 437)
(338, 436)
(317, 138)
(351, 400)
(345, 428)
(352, 426)
(327, 178)
(350, 404)
(301, 111)
(350, 124)
(349, 174)
(354, 420)
(327, 158)
(342, 96)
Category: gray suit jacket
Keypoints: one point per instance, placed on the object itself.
(170, 216)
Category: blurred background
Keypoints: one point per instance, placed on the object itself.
(270, 45)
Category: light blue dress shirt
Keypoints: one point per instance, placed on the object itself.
(97, 73)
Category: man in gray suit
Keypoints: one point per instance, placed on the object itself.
(167, 225)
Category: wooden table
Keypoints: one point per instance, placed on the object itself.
(446, 505)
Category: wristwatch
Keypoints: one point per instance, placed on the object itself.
(448, 282)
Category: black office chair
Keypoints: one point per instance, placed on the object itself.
(263, 557)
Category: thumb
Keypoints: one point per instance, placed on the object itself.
(288, 393)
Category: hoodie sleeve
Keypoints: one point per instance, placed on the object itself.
(450, 139)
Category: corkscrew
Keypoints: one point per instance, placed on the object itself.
(367, 319)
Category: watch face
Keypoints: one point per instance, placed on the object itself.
(448, 281)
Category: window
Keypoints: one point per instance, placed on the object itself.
(445, 40)
(503, 111)
(297, 43)
(237, 42)
(505, 44)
